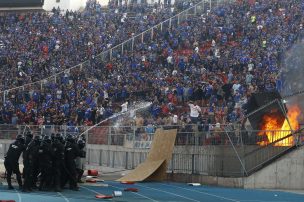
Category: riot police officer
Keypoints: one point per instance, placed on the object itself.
(71, 152)
(11, 160)
(32, 169)
(58, 160)
(28, 139)
(45, 156)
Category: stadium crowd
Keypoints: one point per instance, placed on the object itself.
(211, 62)
(39, 44)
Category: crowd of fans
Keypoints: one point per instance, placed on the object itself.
(39, 44)
(214, 62)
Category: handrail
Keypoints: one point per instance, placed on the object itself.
(105, 51)
(276, 141)
(120, 126)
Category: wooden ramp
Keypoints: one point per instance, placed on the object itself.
(155, 166)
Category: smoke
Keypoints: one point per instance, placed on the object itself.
(130, 114)
(292, 72)
(118, 118)
(292, 75)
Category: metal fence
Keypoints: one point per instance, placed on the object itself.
(129, 136)
(225, 154)
(129, 45)
(11, 131)
(222, 151)
(133, 136)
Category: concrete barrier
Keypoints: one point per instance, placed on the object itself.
(198, 164)
(285, 173)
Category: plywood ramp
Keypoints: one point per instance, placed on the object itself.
(155, 166)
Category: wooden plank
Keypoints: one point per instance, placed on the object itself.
(142, 171)
(155, 166)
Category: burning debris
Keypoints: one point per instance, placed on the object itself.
(273, 131)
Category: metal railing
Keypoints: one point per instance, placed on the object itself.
(260, 148)
(216, 152)
(219, 152)
(283, 141)
(188, 134)
(132, 135)
(214, 159)
(149, 35)
(11, 131)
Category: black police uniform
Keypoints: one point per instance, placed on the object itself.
(28, 139)
(11, 161)
(31, 159)
(45, 156)
(71, 152)
(58, 161)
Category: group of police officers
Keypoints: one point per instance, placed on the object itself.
(53, 160)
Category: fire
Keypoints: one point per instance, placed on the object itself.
(271, 127)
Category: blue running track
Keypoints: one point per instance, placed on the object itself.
(161, 192)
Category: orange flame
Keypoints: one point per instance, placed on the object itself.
(271, 127)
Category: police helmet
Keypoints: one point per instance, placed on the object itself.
(20, 139)
(81, 143)
(37, 138)
(70, 138)
(58, 136)
(29, 135)
(47, 139)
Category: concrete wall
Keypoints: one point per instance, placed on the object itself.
(206, 160)
(4, 145)
(285, 173)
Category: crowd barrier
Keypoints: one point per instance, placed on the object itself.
(224, 150)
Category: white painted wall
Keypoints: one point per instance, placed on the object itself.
(77, 4)
(64, 4)
(105, 2)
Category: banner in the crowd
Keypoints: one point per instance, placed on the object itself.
(142, 144)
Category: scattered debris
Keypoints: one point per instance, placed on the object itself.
(131, 189)
(101, 196)
(117, 193)
(194, 184)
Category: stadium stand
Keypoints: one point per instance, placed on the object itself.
(216, 60)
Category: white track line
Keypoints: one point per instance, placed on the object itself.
(190, 199)
(120, 189)
(135, 193)
(202, 192)
(91, 190)
(19, 196)
(65, 198)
